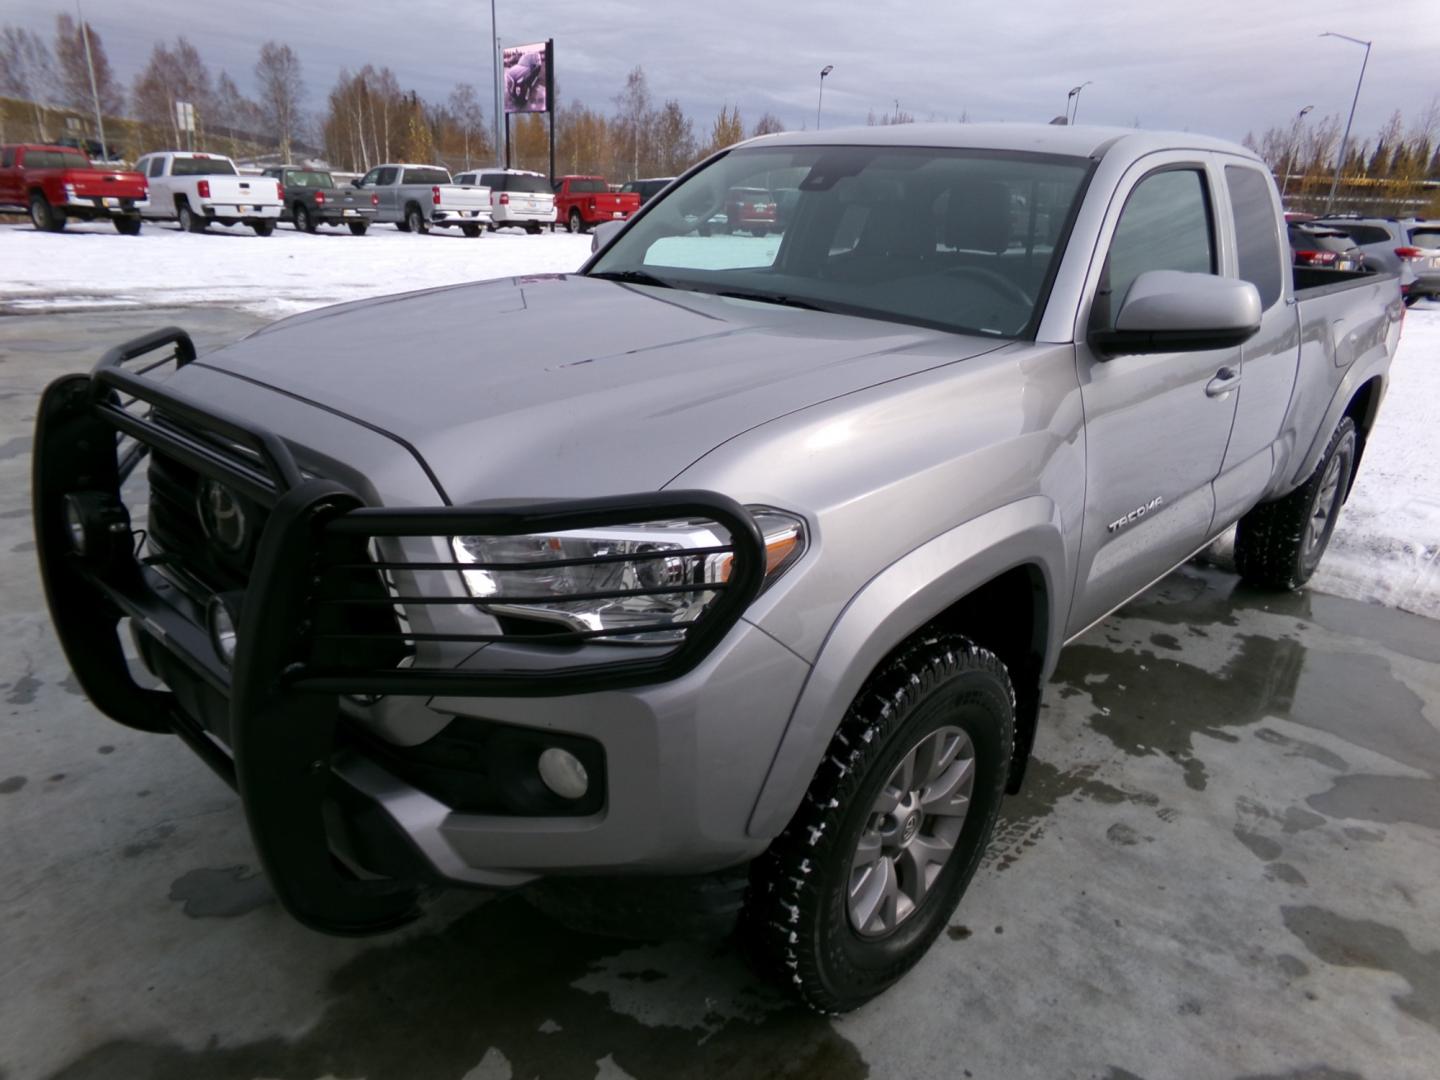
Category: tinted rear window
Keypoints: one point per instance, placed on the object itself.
(183, 166)
(588, 187)
(1365, 234)
(1257, 243)
(1320, 240)
(1426, 238)
(56, 159)
(426, 176)
(307, 179)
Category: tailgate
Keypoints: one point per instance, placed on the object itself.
(94, 184)
(243, 190)
(464, 198)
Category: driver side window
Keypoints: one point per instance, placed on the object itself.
(369, 179)
(1166, 225)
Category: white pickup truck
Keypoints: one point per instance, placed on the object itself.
(198, 189)
(415, 197)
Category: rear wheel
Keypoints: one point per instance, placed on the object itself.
(574, 223)
(471, 229)
(45, 217)
(1278, 544)
(304, 220)
(415, 220)
(869, 870)
(533, 228)
(265, 228)
(358, 227)
(189, 220)
(127, 226)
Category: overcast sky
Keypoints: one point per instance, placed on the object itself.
(1219, 66)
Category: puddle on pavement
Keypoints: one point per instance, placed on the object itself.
(502, 980)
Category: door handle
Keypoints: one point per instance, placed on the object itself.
(1225, 380)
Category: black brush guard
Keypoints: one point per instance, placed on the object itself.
(295, 655)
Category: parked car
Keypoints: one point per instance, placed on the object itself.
(751, 209)
(1321, 247)
(647, 189)
(1410, 246)
(582, 202)
(312, 199)
(414, 198)
(516, 197)
(753, 573)
(55, 183)
(198, 190)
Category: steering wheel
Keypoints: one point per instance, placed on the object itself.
(998, 282)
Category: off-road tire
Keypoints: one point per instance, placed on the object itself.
(358, 228)
(304, 220)
(189, 220)
(1272, 549)
(263, 228)
(471, 230)
(795, 926)
(43, 216)
(415, 220)
(128, 225)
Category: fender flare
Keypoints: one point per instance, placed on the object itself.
(1356, 377)
(899, 600)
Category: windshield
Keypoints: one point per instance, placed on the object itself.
(963, 240)
(201, 166)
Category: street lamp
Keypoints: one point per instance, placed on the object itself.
(1074, 96)
(1294, 145)
(1345, 139)
(823, 72)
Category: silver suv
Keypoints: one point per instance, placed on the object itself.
(1406, 246)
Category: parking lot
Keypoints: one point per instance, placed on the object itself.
(1223, 864)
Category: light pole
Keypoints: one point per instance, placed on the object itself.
(94, 91)
(1345, 139)
(1294, 145)
(1074, 96)
(495, 68)
(819, 104)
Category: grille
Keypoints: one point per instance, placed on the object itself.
(177, 534)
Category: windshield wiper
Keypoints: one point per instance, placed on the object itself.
(773, 298)
(632, 277)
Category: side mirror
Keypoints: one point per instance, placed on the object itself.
(358, 182)
(1171, 311)
(603, 234)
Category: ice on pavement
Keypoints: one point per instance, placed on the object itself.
(1386, 547)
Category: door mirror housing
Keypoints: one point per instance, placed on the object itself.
(603, 234)
(358, 182)
(1172, 311)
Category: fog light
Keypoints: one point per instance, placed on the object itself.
(97, 525)
(563, 774)
(223, 620)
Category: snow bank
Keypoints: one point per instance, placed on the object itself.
(91, 266)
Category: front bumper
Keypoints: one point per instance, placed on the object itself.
(686, 731)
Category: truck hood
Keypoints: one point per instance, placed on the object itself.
(563, 386)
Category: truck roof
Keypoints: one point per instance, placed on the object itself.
(411, 165)
(42, 146)
(1082, 141)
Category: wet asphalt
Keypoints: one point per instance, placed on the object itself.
(1223, 864)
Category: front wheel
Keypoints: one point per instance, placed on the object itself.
(415, 221)
(127, 226)
(869, 870)
(45, 217)
(358, 228)
(1278, 544)
(264, 228)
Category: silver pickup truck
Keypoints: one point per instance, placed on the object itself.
(415, 197)
(752, 553)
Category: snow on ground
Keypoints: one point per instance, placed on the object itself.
(1385, 549)
(91, 266)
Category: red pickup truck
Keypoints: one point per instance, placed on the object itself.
(55, 183)
(583, 201)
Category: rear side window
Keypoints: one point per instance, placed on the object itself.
(157, 167)
(385, 177)
(1165, 226)
(7, 157)
(1256, 242)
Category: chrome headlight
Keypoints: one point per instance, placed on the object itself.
(654, 577)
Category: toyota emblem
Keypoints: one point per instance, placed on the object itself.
(222, 516)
